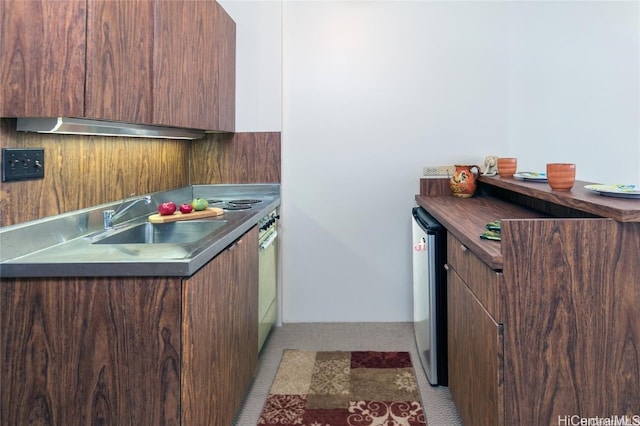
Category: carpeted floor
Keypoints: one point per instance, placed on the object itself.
(438, 407)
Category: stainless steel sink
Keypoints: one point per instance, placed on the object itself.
(164, 233)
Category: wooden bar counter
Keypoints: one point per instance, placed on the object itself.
(544, 325)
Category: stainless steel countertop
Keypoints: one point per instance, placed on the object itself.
(61, 246)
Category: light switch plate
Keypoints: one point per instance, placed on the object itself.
(22, 164)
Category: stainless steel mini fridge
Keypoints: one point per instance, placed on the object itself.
(430, 295)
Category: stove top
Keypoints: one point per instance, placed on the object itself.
(239, 204)
(249, 201)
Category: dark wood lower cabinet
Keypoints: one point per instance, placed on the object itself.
(543, 325)
(573, 331)
(97, 351)
(131, 351)
(220, 334)
(475, 376)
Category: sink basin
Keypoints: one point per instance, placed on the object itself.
(164, 233)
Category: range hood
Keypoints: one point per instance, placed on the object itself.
(83, 126)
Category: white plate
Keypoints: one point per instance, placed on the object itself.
(624, 191)
(531, 176)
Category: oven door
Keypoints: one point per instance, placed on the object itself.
(267, 306)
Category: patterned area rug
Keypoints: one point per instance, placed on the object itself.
(344, 389)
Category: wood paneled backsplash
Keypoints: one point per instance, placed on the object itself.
(83, 171)
(237, 158)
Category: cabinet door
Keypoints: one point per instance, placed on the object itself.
(186, 81)
(220, 334)
(475, 357)
(225, 35)
(120, 60)
(90, 351)
(42, 46)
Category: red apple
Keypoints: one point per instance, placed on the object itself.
(167, 208)
(186, 208)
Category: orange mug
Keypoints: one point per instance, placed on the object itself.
(507, 166)
(561, 176)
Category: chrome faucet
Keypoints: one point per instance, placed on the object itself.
(111, 216)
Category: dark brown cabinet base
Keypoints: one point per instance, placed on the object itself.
(544, 324)
(137, 351)
(476, 372)
(220, 334)
(93, 351)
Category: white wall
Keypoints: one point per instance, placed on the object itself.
(373, 91)
(258, 64)
(574, 93)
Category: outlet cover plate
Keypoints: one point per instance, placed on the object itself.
(438, 171)
(22, 164)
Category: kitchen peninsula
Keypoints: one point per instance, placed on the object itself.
(546, 322)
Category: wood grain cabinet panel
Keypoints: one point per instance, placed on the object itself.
(475, 336)
(475, 356)
(554, 330)
(42, 46)
(131, 351)
(90, 351)
(186, 80)
(168, 63)
(572, 323)
(225, 36)
(120, 45)
(485, 283)
(221, 334)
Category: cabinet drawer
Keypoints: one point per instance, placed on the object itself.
(485, 283)
(475, 354)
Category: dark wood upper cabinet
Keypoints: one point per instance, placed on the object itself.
(225, 36)
(168, 63)
(120, 44)
(197, 69)
(42, 46)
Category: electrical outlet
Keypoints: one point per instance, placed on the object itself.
(438, 170)
(22, 164)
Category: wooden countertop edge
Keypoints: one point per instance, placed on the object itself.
(439, 207)
(466, 218)
(579, 198)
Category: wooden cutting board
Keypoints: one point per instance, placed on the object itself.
(196, 214)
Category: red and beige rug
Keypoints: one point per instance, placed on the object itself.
(344, 389)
